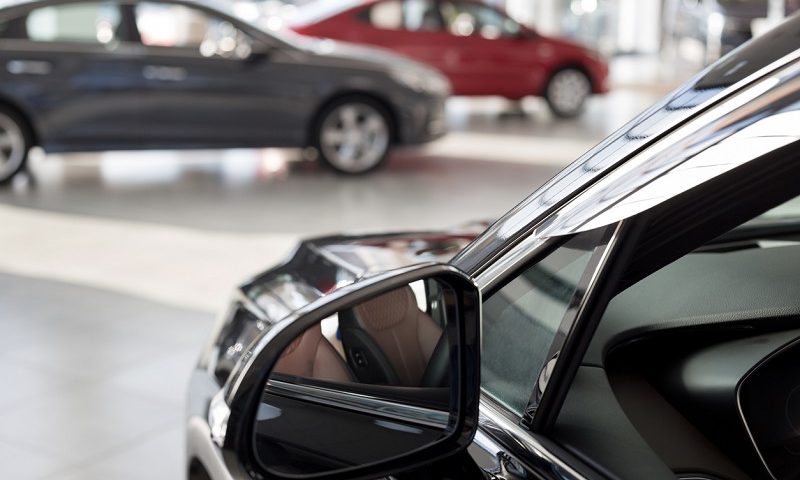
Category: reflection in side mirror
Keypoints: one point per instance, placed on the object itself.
(369, 383)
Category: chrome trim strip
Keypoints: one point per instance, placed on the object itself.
(492, 422)
(599, 161)
(522, 252)
(360, 403)
(723, 138)
(613, 197)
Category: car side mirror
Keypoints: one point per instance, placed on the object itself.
(258, 52)
(376, 378)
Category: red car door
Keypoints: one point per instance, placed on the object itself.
(489, 53)
(413, 28)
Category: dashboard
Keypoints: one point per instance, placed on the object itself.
(769, 402)
(697, 371)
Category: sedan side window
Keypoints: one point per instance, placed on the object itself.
(178, 26)
(465, 19)
(85, 22)
(526, 321)
(413, 15)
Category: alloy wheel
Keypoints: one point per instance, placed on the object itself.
(12, 147)
(567, 91)
(354, 137)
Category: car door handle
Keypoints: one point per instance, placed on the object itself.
(28, 67)
(160, 72)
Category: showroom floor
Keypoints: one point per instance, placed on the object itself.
(113, 265)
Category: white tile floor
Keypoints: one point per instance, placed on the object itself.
(111, 267)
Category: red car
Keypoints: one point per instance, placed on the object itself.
(480, 48)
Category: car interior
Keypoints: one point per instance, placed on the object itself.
(692, 371)
(395, 339)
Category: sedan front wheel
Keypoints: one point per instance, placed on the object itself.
(353, 135)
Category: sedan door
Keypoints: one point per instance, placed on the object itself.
(69, 66)
(488, 52)
(413, 28)
(208, 85)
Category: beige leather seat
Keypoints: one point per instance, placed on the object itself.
(311, 355)
(390, 337)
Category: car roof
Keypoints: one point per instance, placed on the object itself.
(221, 6)
(319, 10)
(731, 74)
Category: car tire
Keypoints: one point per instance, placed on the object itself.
(352, 135)
(15, 142)
(567, 91)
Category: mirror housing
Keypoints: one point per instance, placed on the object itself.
(248, 385)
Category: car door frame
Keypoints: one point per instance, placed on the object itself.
(519, 443)
(709, 128)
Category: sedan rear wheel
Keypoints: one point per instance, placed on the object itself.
(567, 91)
(14, 145)
(353, 136)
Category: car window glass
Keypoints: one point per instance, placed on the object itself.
(387, 15)
(85, 22)
(178, 26)
(421, 15)
(466, 19)
(522, 320)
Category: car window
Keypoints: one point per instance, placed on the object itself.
(178, 26)
(387, 15)
(421, 15)
(84, 22)
(466, 19)
(414, 15)
(523, 321)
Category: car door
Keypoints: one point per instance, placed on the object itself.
(205, 84)
(488, 52)
(413, 28)
(531, 319)
(69, 65)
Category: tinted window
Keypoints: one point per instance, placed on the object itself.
(387, 15)
(464, 19)
(86, 22)
(409, 15)
(178, 26)
(522, 321)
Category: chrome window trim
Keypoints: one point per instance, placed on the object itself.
(599, 200)
(522, 252)
(527, 250)
(360, 403)
(614, 197)
(532, 212)
(494, 425)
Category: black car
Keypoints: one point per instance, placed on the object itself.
(104, 75)
(637, 317)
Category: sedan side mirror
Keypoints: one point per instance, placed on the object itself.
(377, 378)
(258, 52)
